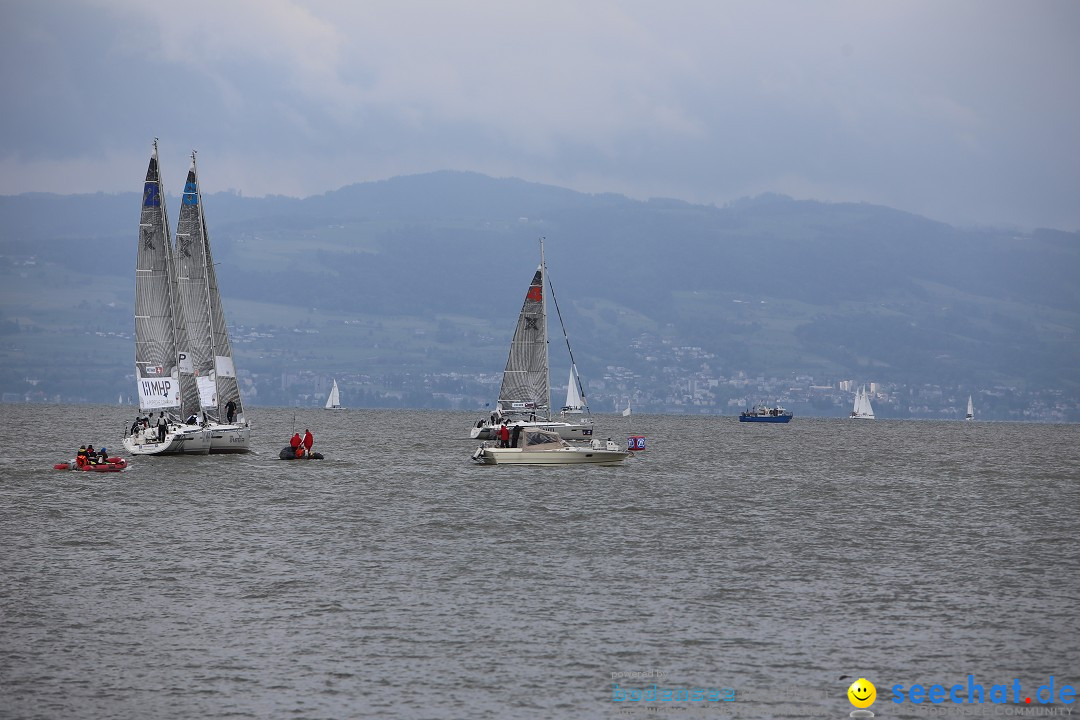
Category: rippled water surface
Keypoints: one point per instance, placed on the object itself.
(396, 579)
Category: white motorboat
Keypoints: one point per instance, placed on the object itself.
(537, 446)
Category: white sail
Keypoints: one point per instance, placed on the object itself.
(334, 401)
(626, 412)
(970, 410)
(575, 404)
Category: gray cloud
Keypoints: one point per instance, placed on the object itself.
(964, 111)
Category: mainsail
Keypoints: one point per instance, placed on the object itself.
(200, 299)
(525, 380)
(160, 369)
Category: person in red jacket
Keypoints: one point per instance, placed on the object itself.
(309, 440)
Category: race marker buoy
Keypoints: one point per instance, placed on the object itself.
(635, 443)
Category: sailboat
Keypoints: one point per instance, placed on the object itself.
(334, 401)
(862, 408)
(626, 411)
(204, 320)
(163, 374)
(524, 397)
(575, 402)
(970, 410)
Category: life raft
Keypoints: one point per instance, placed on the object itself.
(115, 464)
(288, 453)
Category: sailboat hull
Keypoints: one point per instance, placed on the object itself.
(182, 440)
(566, 430)
(229, 439)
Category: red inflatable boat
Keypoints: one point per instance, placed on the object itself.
(115, 464)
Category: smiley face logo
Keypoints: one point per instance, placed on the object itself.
(862, 693)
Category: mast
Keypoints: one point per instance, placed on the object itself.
(207, 263)
(543, 306)
(170, 282)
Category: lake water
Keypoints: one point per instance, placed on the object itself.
(397, 579)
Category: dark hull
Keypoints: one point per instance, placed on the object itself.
(764, 418)
(287, 453)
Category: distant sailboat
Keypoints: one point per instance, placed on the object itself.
(120, 400)
(626, 412)
(970, 411)
(575, 403)
(862, 408)
(334, 401)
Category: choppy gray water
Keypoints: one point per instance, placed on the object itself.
(396, 579)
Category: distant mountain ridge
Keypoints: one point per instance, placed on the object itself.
(767, 285)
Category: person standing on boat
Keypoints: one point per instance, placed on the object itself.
(516, 435)
(504, 435)
(309, 440)
(296, 442)
(162, 427)
(230, 411)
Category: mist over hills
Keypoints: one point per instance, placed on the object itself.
(426, 274)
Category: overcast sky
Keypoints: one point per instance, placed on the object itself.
(965, 111)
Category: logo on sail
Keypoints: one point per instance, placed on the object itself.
(151, 197)
(535, 294)
(153, 370)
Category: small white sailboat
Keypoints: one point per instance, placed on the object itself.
(970, 410)
(862, 408)
(626, 412)
(537, 446)
(334, 401)
(575, 403)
